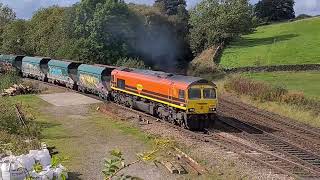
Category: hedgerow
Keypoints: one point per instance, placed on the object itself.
(266, 92)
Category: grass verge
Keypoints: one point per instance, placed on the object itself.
(306, 82)
(284, 43)
(274, 99)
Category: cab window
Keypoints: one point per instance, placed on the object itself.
(121, 83)
(209, 93)
(194, 93)
(181, 94)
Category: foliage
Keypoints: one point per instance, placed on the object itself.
(257, 90)
(116, 164)
(6, 15)
(213, 22)
(37, 167)
(103, 31)
(131, 63)
(283, 43)
(103, 27)
(10, 122)
(15, 37)
(16, 144)
(303, 16)
(307, 82)
(275, 10)
(265, 92)
(8, 79)
(47, 35)
(170, 7)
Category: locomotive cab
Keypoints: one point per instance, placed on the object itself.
(201, 105)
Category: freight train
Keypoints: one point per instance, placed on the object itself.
(186, 101)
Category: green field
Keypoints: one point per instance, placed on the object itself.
(306, 82)
(284, 43)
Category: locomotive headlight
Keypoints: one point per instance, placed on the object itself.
(212, 109)
(191, 110)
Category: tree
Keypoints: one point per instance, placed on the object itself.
(47, 34)
(14, 37)
(170, 7)
(6, 15)
(104, 28)
(275, 10)
(213, 22)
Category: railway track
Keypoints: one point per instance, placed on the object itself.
(269, 158)
(265, 157)
(277, 145)
(280, 122)
(295, 134)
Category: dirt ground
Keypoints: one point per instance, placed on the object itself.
(222, 164)
(88, 144)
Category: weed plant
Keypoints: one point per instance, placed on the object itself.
(266, 92)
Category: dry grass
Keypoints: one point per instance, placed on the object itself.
(266, 92)
(204, 66)
(275, 99)
(294, 112)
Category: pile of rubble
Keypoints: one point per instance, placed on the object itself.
(17, 90)
(35, 165)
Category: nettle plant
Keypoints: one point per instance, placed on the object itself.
(114, 165)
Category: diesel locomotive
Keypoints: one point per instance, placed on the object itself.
(186, 101)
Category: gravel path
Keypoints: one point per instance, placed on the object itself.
(91, 145)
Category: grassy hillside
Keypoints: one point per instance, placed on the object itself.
(285, 43)
(307, 82)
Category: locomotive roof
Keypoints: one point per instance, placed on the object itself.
(159, 74)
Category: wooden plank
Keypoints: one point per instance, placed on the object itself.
(180, 168)
(170, 167)
(194, 164)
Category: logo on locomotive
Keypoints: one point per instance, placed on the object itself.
(88, 80)
(139, 87)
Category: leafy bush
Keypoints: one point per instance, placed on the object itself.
(10, 122)
(8, 79)
(258, 90)
(266, 92)
(131, 63)
(16, 144)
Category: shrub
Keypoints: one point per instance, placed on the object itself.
(10, 122)
(16, 144)
(266, 92)
(258, 90)
(131, 63)
(8, 79)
